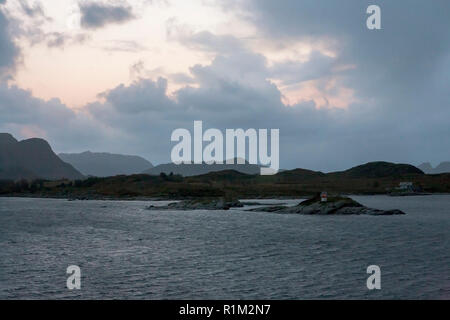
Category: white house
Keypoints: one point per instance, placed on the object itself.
(405, 186)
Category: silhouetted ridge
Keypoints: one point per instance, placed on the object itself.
(380, 169)
(191, 169)
(301, 173)
(31, 159)
(225, 175)
(6, 138)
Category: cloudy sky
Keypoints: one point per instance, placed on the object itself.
(120, 75)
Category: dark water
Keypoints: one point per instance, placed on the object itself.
(127, 252)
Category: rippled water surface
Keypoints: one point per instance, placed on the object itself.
(127, 252)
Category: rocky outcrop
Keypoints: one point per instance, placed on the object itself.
(200, 204)
(334, 206)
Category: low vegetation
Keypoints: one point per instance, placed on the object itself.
(366, 179)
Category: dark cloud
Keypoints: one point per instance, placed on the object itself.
(34, 25)
(34, 10)
(394, 61)
(141, 96)
(19, 106)
(24, 116)
(9, 52)
(96, 15)
(61, 39)
(58, 40)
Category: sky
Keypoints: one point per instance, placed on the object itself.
(119, 76)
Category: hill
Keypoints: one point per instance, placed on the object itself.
(106, 164)
(31, 159)
(297, 174)
(187, 170)
(380, 170)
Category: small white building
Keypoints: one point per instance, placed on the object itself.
(405, 186)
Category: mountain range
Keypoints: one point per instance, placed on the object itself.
(32, 159)
(106, 164)
(443, 167)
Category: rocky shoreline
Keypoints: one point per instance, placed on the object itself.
(200, 204)
(408, 194)
(337, 205)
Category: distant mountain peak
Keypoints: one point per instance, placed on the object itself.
(6, 138)
(37, 142)
(30, 159)
(443, 167)
(426, 167)
(104, 164)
